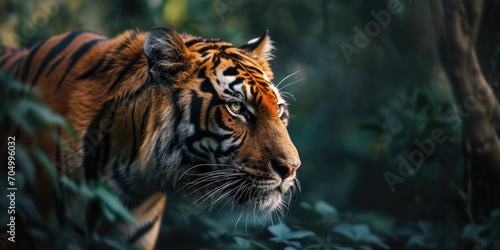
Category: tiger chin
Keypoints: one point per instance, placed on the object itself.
(156, 112)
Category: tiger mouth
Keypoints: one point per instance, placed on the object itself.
(262, 199)
(252, 192)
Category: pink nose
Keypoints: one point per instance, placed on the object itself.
(295, 164)
(284, 169)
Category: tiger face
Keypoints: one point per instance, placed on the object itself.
(229, 120)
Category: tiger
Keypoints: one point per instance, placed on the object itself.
(156, 111)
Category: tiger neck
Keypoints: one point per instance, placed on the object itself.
(122, 68)
(114, 139)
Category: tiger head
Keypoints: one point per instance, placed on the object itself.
(223, 128)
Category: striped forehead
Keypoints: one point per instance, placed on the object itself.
(253, 92)
(238, 76)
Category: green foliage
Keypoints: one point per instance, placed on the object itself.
(21, 110)
(351, 123)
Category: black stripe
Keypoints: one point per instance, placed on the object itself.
(110, 59)
(55, 51)
(231, 71)
(202, 73)
(125, 70)
(160, 153)
(27, 64)
(218, 118)
(141, 231)
(126, 43)
(16, 63)
(91, 71)
(58, 152)
(215, 61)
(76, 56)
(194, 41)
(203, 40)
(54, 65)
(134, 139)
(224, 47)
(121, 181)
(3, 61)
(115, 51)
(208, 47)
(145, 116)
(96, 155)
(233, 84)
(196, 110)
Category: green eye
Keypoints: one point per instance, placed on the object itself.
(236, 107)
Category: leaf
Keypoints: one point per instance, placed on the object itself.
(425, 226)
(108, 214)
(298, 234)
(324, 209)
(47, 115)
(45, 162)
(114, 204)
(346, 231)
(243, 243)
(473, 232)
(295, 244)
(377, 222)
(361, 231)
(305, 205)
(278, 230)
(495, 214)
(85, 191)
(417, 240)
(26, 162)
(360, 234)
(26, 205)
(288, 242)
(374, 240)
(69, 183)
(17, 114)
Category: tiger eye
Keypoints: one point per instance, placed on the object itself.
(236, 106)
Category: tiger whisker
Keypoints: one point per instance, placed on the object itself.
(212, 192)
(210, 176)
(202, 165)
(206, 185)
(218, 191)
(221, 195)
(220, 199)
(238, 220)
(288, 96)
(296, 183)
(292, 83)
(288, 76)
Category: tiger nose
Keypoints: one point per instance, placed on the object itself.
(285, 168)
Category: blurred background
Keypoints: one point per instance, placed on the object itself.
(369, 96)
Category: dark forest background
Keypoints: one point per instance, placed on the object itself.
(374, 117)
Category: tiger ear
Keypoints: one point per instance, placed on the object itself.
(167, 54)
(260, 47)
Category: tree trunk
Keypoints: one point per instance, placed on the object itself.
(456, 25)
